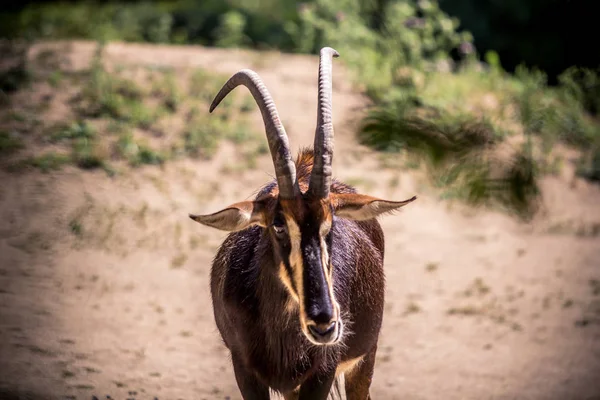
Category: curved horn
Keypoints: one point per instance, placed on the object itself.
(285, 169)
(320, 178)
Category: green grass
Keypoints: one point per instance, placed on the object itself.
(467, 87)
(114, 117)
(116, 98)
(75, 130)
(48, 162)
(86, 151)
(204, 85)
(168, 91)
(86, 154)
(106, 94)
(136, 153)
(55, 78)
(201, 141)
(9, 143)
(200, 84)
(76, 227)
(239, 134)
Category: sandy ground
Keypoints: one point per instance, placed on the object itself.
(479, 306)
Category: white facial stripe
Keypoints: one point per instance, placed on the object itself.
(328, 269)
(285, 278)
(323, 231)
(325, 260)
(296, 261)
(325, 228)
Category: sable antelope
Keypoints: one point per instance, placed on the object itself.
(298, 284)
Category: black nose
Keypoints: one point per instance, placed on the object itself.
(322, 315)
(322, 330)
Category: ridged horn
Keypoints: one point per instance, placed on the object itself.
(320, 178)
(285, 169)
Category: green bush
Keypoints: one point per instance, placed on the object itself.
(582, 85)
(377, 42)
(460, 155)
(556, 114)
(144, 21)
(395, 126)
(230, 32)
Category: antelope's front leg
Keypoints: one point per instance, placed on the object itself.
(317, 387)
(358, 381)
(249, 385)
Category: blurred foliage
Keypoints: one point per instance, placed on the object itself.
(109, 95)
(558, 113)
(469, 150)
(583, 86)
(14, 72)
(414, 33)
(460, 155)
(542, 34)
(9, 143)
(431, 97)
(182, 21)
(550, 35)
(118, 115)
(47, 162)
(535, 32)
(230, 32)
(414, 29)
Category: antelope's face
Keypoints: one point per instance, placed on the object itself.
(301, 234)
(300, 222)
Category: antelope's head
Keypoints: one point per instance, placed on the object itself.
(299, 216)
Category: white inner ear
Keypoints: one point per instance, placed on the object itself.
(231, 219)
(369, 210)
(357, 213)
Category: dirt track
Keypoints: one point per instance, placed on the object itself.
(478, 305)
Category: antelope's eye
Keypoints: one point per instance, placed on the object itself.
(279, 227)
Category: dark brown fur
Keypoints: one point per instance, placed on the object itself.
(251, 306)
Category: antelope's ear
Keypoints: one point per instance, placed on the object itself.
(360, 207)
(236, 217)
